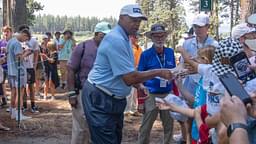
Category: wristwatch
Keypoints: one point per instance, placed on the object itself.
(72, 93)
(233, 126)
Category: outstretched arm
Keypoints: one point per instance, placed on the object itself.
(172, 107)
(187, 58)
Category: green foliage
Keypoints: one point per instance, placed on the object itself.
(52, 23)
(32, 7)
(170, 13)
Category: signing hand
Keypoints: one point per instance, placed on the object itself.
(166, 74)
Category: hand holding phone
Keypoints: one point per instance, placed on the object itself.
(234, 87)
(240, 63)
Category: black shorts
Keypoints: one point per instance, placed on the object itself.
(31, 78)
(5, 75)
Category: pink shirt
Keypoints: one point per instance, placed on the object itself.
(86, 60)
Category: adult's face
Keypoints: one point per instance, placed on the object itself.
(99, 36)
(7, 34)
(24, 37)
(57, 36)
(130, 24)
(67, 35)
(249, 42)
(159, 39)
(201, 31)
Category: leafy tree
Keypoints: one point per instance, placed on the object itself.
(52, 23)
(32, 7)
(170, 13)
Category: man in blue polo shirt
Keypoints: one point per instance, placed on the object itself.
(157, 57)
(110, 80)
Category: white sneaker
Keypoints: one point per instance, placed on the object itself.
(13, 113)
(22, 117)
(8, 109)
(177, 137)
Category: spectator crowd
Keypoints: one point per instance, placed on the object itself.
(109, 77)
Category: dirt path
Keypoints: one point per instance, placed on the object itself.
(53, 126)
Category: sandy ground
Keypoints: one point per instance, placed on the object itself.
(53, 125)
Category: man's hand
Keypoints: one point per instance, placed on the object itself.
(232, 110)
(166, 74)
(73, 101)
(251, 108)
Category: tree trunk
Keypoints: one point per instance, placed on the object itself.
(5, 12)
(231, 15)
(19, 13)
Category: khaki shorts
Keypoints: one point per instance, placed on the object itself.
(39, 74)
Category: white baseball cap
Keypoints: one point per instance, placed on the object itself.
(252, 19)
(44, 37)
(201, 20)
(240, 30)
(133, 10)
(103, 27)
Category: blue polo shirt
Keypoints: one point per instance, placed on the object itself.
(114, 59)
(149, 60)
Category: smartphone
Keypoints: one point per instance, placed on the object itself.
(234, 87)
(240, 64)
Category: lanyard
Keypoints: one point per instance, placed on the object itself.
(161, 65)
(202, 43)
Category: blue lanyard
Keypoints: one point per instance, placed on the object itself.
(162, 66)
(203, 44)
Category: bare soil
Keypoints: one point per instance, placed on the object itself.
(54, 123)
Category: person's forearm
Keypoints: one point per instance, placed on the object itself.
(139, 77)
(186, 111)
(185, 55)
(239, 136)
(71, 79)
(199, 122)
(188, 60)
(36, 54)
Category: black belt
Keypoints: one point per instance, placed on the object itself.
(106, 91)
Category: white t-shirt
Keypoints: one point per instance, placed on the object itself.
(29, 60)
(213, 86)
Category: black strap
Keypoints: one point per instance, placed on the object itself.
(81, 58)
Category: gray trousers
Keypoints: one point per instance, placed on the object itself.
(80, 130)
(149, 118)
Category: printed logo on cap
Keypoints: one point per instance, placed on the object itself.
(158, 28)
(137, 10)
